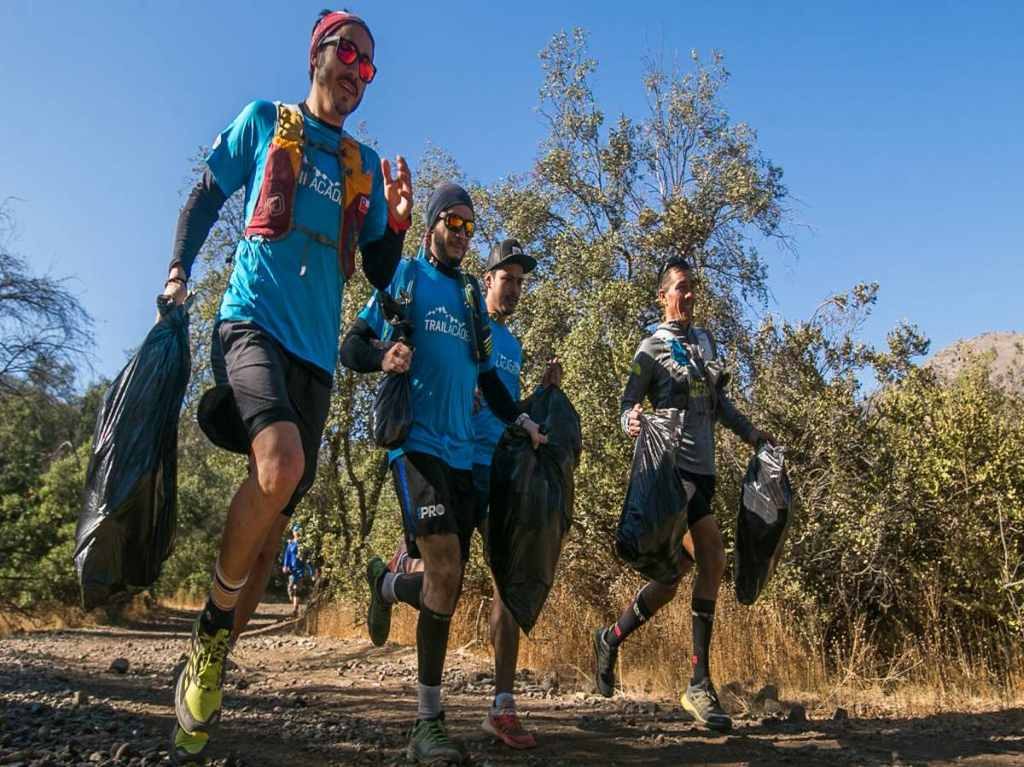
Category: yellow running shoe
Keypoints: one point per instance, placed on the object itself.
(187, 747)
(199, 692)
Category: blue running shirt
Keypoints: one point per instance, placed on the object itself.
(292, 287)
(444, 373)
(507, 358)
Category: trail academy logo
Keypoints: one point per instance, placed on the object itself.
(429, 512)
(507, 364)
(313, 178)
(440, 320)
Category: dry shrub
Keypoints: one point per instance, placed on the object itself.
(767, 643)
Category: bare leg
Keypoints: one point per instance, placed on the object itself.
(709, 551)
(259, 577)
(505, 639)
(254, 511)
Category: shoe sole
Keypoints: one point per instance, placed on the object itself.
(375, 597)
(597, 667)
(713, 726)
(439, 761)
(183, 759)
(493, 732)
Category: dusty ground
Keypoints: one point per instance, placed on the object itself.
(298, 700)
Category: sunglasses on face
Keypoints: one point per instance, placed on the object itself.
(347, 55)
(455, 222)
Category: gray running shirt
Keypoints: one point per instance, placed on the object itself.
(668, 370)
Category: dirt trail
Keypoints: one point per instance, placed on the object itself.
(315, 701)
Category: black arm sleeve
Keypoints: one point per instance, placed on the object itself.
(640, 374)
(380, 258)
(360, 348)
(195, 221)
(497, 396)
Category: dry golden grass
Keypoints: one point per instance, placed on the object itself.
(752, 647)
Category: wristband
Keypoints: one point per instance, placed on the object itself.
(398, 225)
(521, 420)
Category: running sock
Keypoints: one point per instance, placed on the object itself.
(428, 701)
(431, 645)
(387, 587)
(632, 618)
(219, 612)
(504, 701)
(212, 619)
(402, 587)
(703, 621)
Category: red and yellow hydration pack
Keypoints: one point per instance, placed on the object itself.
(273, 216)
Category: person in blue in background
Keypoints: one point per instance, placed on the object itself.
(313, 196)
(432, 470)
(294, 568)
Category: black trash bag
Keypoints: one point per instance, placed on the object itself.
(392, 407)
(653, 521)
(392, 411)
(126, 529)
(532, 494)
(762, 522)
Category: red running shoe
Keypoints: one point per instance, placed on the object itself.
(504, 725)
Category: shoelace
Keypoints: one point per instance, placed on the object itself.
(210, 657)
(435, 733)
(709, 694)
(508, 720)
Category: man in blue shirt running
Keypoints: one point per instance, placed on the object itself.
(432, 470)
(504, 275)
(293, 566)
(313, 195)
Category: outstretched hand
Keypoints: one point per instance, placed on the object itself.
(552, 374)
(398, 189)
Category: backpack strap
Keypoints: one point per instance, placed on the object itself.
(289, 133)
(480, 341)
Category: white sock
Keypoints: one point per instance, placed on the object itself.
(387, 587)
(428, 700)
(504, 701)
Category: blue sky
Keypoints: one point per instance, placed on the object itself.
(899, 129)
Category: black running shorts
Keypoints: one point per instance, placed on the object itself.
(268, 385)
(700, 489)
(435, 499)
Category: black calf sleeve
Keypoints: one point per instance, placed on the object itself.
(703, 622)
(431, 645)
(408, 587)
(634, 616)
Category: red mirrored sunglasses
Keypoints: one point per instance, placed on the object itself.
(348, 53)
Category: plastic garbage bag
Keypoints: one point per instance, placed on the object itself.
(653, 521)
(762, 523)
(126, 528)
(532, 494)
(392, 410)
(392, 406)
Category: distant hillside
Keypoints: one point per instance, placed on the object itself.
(1007, 366)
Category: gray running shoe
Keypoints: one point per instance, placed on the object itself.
(701, 701)
(429, 744)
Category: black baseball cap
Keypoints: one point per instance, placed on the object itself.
(510, 252)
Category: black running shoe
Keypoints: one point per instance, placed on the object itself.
(378, 615)
(605, 656)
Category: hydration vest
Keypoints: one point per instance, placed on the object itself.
(274, 215)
